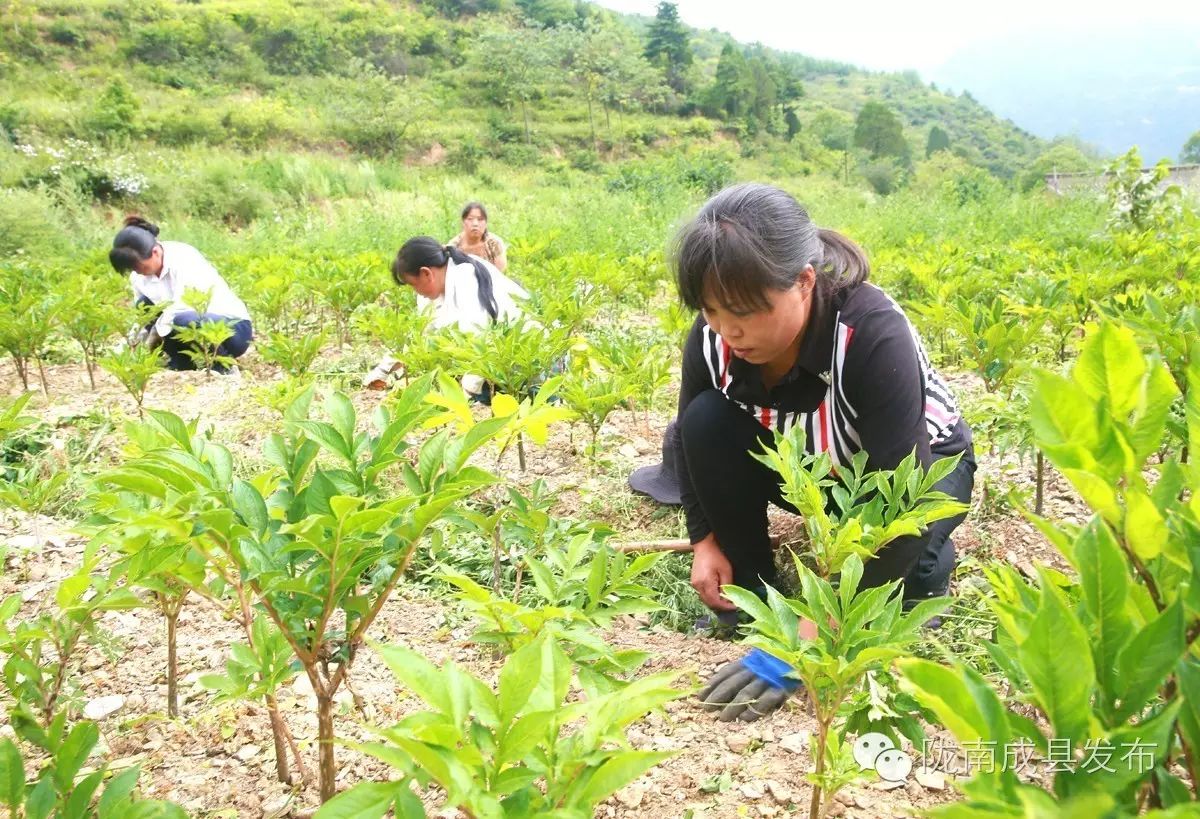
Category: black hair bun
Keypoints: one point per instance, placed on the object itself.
(133, 220)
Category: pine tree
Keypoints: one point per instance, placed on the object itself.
(667, 46)
(939, 140)
(877, 131)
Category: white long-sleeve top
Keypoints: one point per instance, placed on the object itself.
(185, 268)
(459, 304)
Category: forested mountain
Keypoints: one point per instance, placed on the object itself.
(1144, 90)
(520, 79)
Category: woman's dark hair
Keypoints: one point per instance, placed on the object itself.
(470, 206)
(425, 251)
(133, 243)
(752, 238)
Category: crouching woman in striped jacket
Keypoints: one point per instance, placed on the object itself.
(791, 332)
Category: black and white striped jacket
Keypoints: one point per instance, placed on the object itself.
(862, 381)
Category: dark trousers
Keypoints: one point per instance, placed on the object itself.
(176, 351)
(734, 489)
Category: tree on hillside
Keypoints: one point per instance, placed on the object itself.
(466, 8)
(667, 45)
(792, 121)
(733, 87)
(1191, 150)
(1061, 157)
(552, 12)
(514, 65)
(878, 131)
(602, 64)
(833, 129)
(939, 140)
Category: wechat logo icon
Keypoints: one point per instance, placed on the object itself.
(876, 752)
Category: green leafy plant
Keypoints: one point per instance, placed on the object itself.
(293, 354)
(133, 367)
(318, 547)
(202, 341)
(1106, 661)
(578, 587)
(91, 317)
(869, 508)
(27, 313)
(857, 632)
(525, 750)
(255, 671)
(65, 790)
(996, 341)
(593, 398)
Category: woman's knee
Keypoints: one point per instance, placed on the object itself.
(707, 420)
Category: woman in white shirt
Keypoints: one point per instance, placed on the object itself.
(161, 273)
(462, 291)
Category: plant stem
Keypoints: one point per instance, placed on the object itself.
(521, 450)
(814, 804)
(42, 375)
(172, 614)
(327, 764)
(1041, 480)
(496, 566)
(277, 733)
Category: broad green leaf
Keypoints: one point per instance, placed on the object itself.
(40, 801)
(617, 772)
(1154, 407)
(1104, 579)
(1145, 663)
(12, 775)
(1063, 690)
(74, 752)
(518, 679)
(341, 413)
(1188, 676)
(1145, 529)
(366, 800)
(1111, 365)
(959, 697)
(78, 804)
(118, 789)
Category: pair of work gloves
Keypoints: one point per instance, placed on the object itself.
(749, 688)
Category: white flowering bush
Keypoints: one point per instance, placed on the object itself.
(103, 175)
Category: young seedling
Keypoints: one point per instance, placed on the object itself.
(525, 750)
(857, 631)
(293, 354)
(91, 316)
(133, 367)
(593, 398)
(26, 324)
(323, 564)
(256, 671)
(203, 339)
(579, 587)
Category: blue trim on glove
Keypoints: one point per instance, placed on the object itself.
(772, 669)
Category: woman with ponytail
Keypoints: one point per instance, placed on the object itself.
(161, 273)
(791, 332)
(462, 291)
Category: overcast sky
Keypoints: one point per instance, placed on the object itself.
(917, 34)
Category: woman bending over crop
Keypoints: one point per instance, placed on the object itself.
(461, 291)
(791, 332)
(162, 273)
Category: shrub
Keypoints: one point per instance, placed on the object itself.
(117, 112)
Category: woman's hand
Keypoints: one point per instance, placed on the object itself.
(710, 571)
